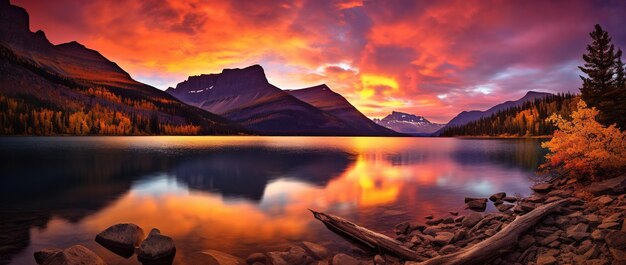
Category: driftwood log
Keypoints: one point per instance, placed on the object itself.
(480, 253)
(364, 236)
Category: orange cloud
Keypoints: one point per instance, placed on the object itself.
(428, 48)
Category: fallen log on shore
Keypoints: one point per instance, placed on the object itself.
(480, 253)
(373, 240)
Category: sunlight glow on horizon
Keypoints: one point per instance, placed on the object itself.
(430, 58)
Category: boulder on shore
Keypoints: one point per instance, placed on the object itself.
(343, 259)
(542, 187)
(471, 220)
(477, 205)
(156, 248)
(74, 255)
(610, 186)
(317, 251)
(497, 196)
(121, 239)
(44, 254)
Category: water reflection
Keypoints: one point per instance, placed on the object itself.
(238, 194)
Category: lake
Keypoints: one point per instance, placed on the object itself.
(240, 194)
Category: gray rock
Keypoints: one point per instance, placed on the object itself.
(504, 207)
(610, 186)
(553, 199)
(44, 254)
(74, 255)
(497, 197)
(526, 242)
(343, 259)
(592, 253)
(584, 247)
(477, 205)
(581, 227)
(535, 199)
(448, 220)
(448, 249)
(542, 187)
(295, 255)
(609, 226)
(459, 235)
(597, 235)
(443, 238)
(276, 258)
(618, 255)
(546, 259)
(471, 220)
(431, 230)
(604, 200)
(121, 238)
(434, 221)
(379, 260)
(526, 206)
(316, 251)
(256, 257)
(156, 248)
(549, 239)
(616, 239)
(402, 228)
(613, 218)
(509, 199)
(417, 226)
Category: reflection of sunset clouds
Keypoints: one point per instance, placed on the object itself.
(386, 180)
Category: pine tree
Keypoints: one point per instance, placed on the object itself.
(599, 63)
(603, 87)
(614, 103)
(620, 71)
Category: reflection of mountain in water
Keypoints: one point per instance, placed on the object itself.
(71, 180)
(246, 172)
(516, 153)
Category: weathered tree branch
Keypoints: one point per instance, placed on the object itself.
(480, 253)
(375, 241)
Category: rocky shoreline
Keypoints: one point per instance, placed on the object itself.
(589, 228)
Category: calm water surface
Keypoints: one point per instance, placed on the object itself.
(239, 194)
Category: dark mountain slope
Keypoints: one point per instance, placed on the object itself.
(322, 97)
(70, 89)
(466, 117)
(525, 120)
(245, 96)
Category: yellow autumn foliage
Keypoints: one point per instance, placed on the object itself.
(583, 148)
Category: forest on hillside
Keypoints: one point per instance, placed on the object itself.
(63, 105)
(526, 120)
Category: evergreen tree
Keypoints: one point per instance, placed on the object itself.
(620, 71)
(603, 88)
(599, 64)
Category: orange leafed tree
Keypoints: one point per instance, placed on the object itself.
(583, 148)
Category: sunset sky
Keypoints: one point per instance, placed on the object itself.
(431, 58)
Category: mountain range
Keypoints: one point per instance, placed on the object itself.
(73, 90)
(409, 124)
(466, 117)
(70, 89)
(246, 97)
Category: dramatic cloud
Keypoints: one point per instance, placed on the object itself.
(432, 58)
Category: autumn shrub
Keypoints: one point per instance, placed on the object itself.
(583, 148)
